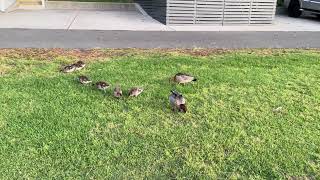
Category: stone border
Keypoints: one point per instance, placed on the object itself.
(103, 6)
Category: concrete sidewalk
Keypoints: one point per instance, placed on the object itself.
(80, 19)
(131, 21)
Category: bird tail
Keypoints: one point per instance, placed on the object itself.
(195, 79)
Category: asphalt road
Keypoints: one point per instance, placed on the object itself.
(23, 38)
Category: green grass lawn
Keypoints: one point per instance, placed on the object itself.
(53, 127)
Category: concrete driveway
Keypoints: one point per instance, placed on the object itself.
(80, 19)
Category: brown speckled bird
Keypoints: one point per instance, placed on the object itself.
(101, 85)
(177, 102)
(135, 91)
(84, 80)
(182, 78)
(79, 65)
(69, 68)
(117, 92)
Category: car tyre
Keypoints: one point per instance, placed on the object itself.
(294, 9)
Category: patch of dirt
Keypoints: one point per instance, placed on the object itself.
(202, 52)
(51, 54)
(98, 54)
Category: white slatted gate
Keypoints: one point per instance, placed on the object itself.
(220, 12)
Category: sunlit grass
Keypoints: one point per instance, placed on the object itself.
(53, 127)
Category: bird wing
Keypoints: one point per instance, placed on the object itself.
(187, 77)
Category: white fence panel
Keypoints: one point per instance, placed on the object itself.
(221, 12)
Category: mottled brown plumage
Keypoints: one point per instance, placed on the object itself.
(79, 65)
(135, 91)
(182, 78)
(177, 102)
(101, 85)
(117, 92)
(84, 80)
(69, 68)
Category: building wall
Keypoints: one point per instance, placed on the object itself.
(4, 4)
(221, 12)
(211, 12)
(155, 8)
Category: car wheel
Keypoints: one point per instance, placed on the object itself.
(294, 9)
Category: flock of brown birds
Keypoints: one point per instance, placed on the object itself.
(176, 99)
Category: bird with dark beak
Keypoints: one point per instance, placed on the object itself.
(182, 78)
(69, 68)
(135, 91)
(177, 102)
(84, 80)
(101, 85)
(117, 92)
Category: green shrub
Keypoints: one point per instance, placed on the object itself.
(280, 2)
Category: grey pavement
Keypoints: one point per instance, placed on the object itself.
(26, 38)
